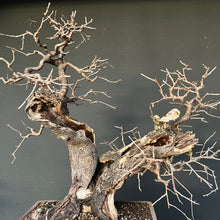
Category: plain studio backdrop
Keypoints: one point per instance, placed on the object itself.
(137, 37)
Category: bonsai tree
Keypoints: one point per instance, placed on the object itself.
(95, 180)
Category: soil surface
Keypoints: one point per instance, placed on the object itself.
(134, 210)
(126, 211)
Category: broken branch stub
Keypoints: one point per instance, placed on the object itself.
(176, 87)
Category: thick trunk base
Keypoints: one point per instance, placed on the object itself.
(126, 210)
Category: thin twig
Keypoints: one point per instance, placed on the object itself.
(24, 137)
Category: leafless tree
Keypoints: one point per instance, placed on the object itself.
(95, 180)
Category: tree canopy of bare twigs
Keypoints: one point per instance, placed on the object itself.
(64, 32)
(164, 151)
(177, 88)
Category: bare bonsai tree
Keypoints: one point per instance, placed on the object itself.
(95, 180)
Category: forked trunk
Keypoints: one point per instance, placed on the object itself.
(95, 183)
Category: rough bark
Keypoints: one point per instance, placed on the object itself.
(95, 183)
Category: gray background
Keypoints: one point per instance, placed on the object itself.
(137, 37)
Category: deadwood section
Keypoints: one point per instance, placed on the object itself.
(96, 189)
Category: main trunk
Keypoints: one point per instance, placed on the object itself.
(79, 138)
(95, 183)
